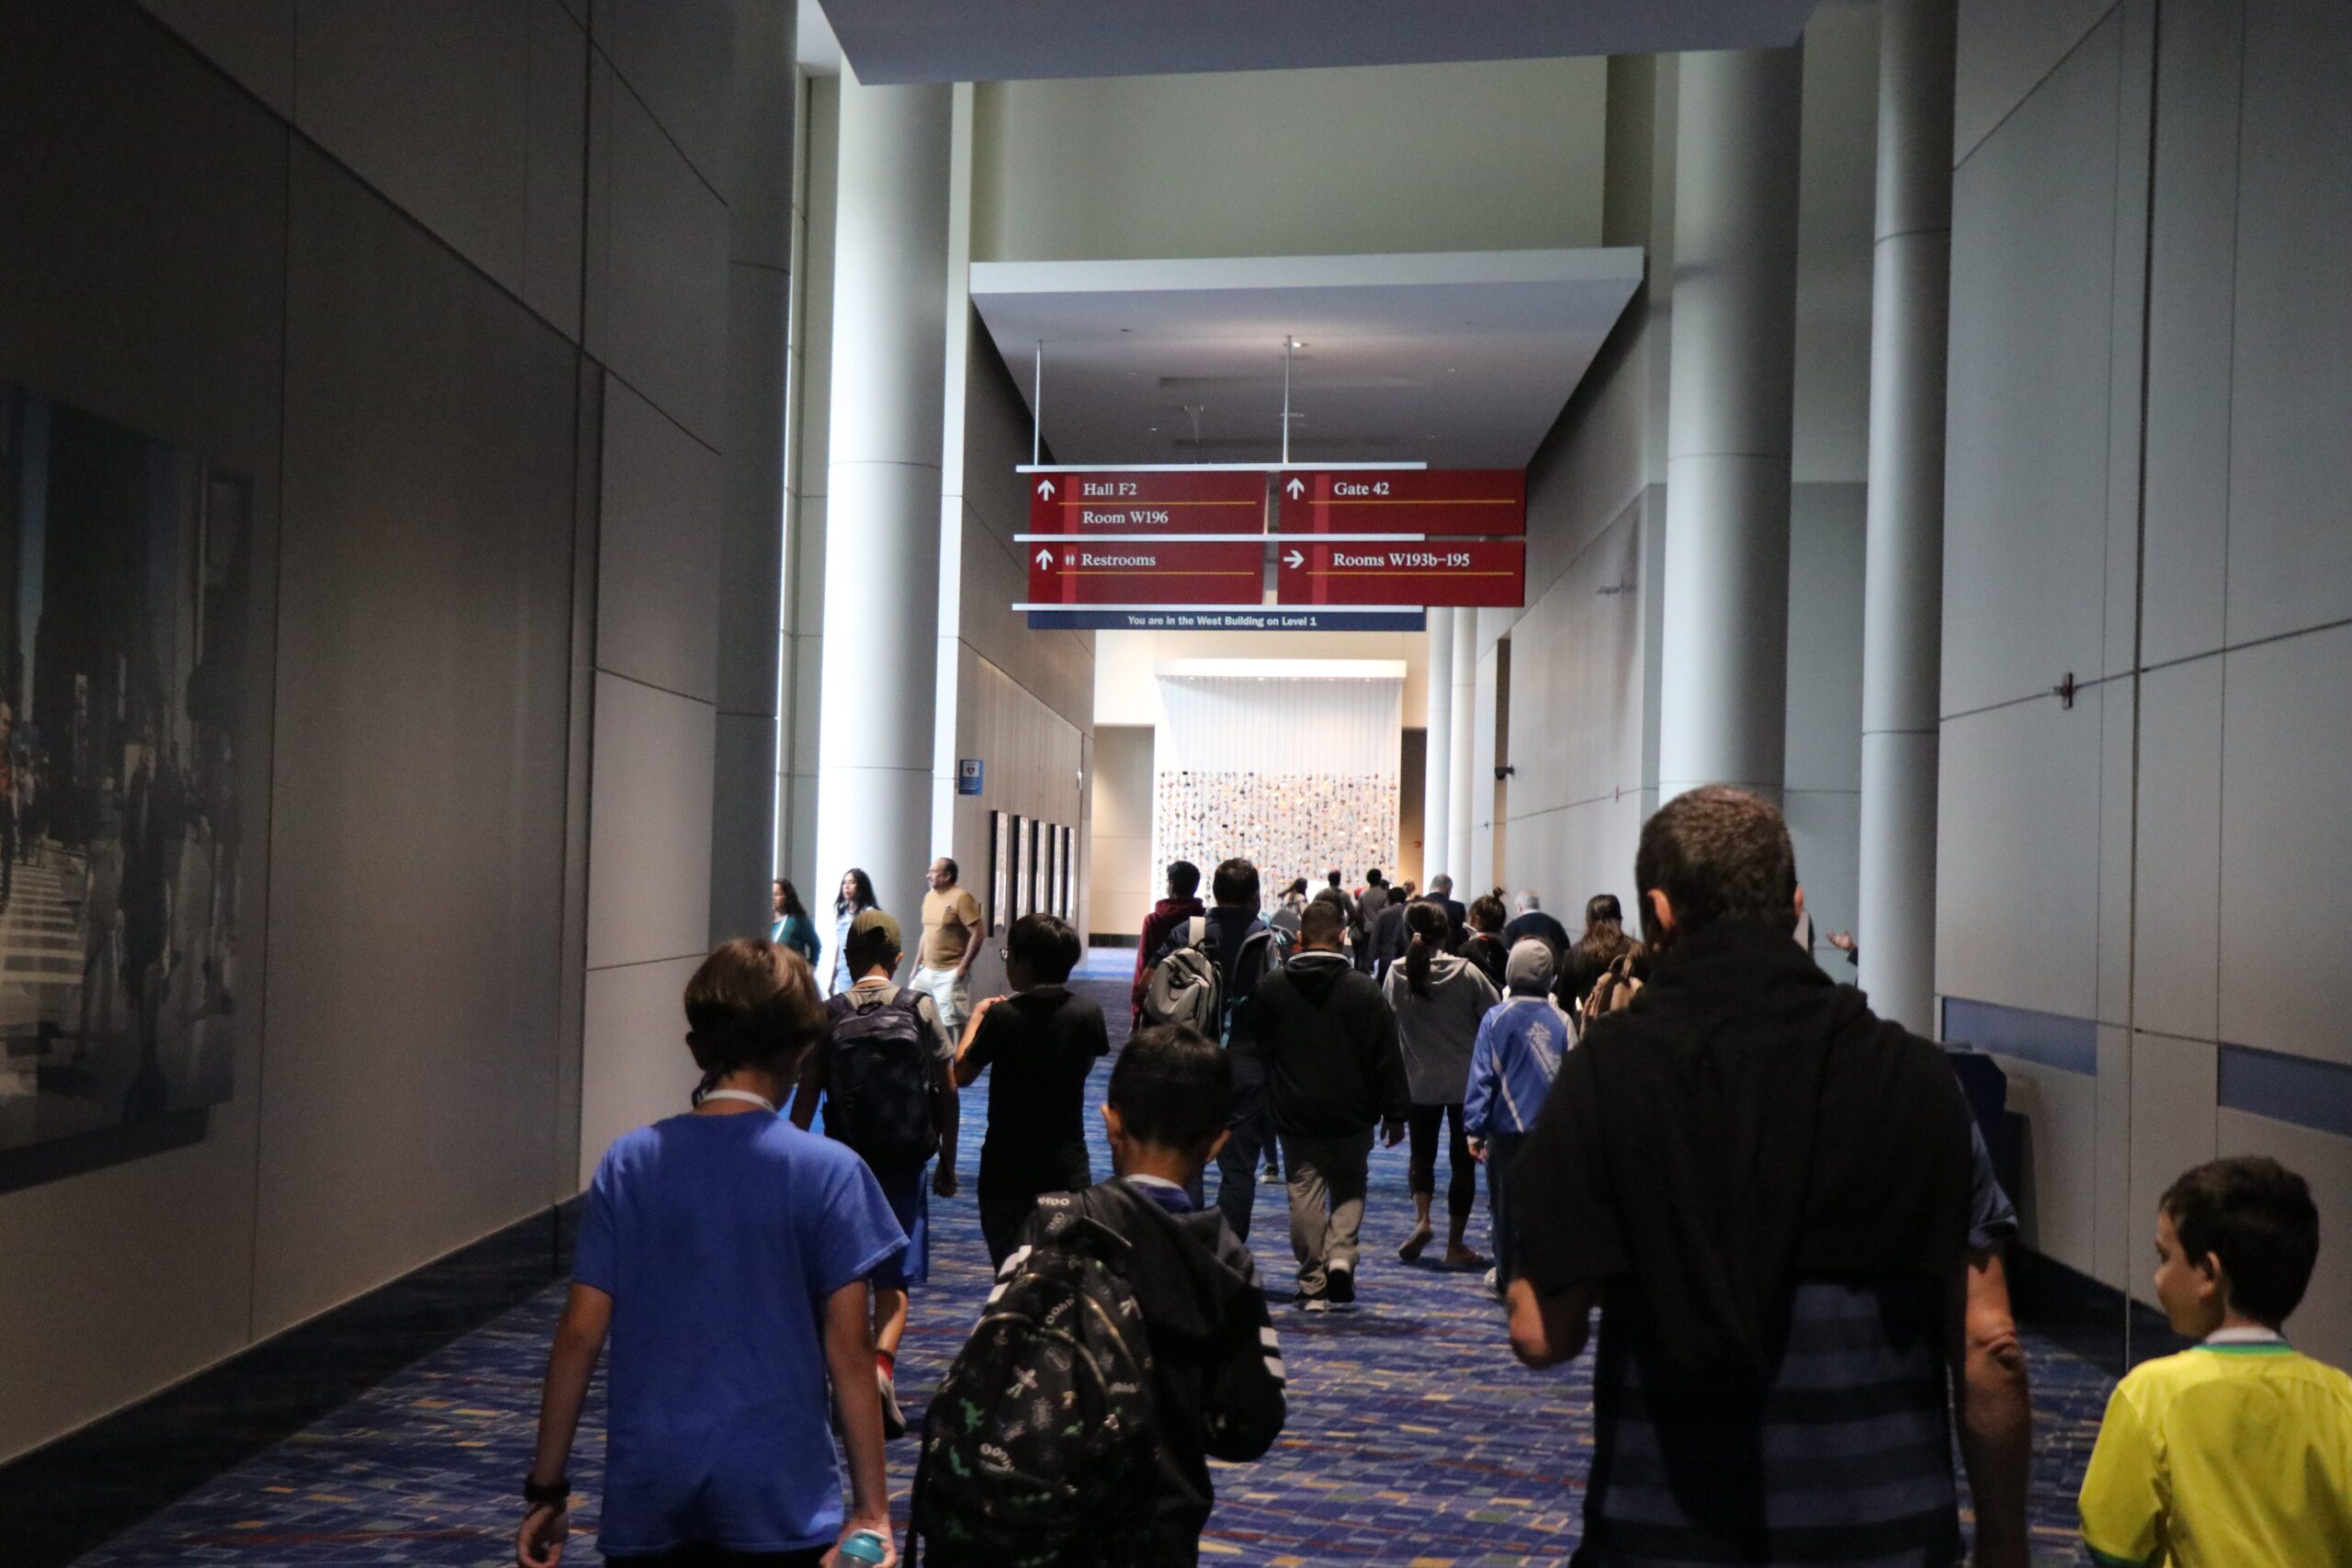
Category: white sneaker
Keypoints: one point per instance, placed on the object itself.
(1494, 1279)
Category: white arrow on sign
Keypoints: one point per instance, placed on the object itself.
(1044, 557)
(1294, 561)
(1295, 488)
(1046, 489)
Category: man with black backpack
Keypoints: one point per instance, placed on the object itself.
(1126, 1345)
(887, 1072)
(1202, 980)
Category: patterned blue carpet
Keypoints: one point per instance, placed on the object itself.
(1414, 1438)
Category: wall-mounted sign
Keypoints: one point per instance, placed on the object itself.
(1450, 502)
(1115, 503)
(1462, 571)
(1144, 572)
(967, 775)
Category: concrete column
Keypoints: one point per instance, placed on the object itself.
(1903, 587)
(1461, 795)
(1437, 757)
(1723, 680)
(879, 661)
(751, 544)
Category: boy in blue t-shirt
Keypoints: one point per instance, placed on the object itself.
(725, 1252)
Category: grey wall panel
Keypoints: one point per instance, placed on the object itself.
(2287, 845)
(2005, 48)
(415, 909)
(659, 533)
(1578, 685)
(742, 828)
(2177, 938)
(2190, 280)
(2025, 488)
(648, 833)
(2118, 783)
(2017, 856)
(2290, 464)
(1825, 719)
(253, 41)
(429, 101)
(635, 1067)
(1829, 435)
(156, 307)
(671, 52)
(2323, 1324)
(2173, 1128)
(555, 166)
(750, 554)
(655, 307)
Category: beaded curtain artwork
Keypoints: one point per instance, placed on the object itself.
(1288, 824)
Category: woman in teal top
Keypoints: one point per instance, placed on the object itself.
(792, 926)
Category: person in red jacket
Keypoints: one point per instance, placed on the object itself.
(1181, 905)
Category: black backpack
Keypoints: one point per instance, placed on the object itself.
(881, 1065)
(1039, 1450)
(1262, 951)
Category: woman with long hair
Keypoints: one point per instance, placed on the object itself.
(1603, 943)
(1439, 998)
(789, 925)
(855, 897)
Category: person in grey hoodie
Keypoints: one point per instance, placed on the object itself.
(1439, 998)
(1329, 1044)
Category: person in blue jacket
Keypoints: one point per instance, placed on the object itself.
(1512, 1062)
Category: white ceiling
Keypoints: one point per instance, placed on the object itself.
(1460, 359)
(997, 41)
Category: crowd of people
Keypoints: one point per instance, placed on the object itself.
(1777, 1205)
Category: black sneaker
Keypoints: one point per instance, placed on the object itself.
(1339, 1286)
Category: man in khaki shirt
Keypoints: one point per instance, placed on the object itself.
(951, 940)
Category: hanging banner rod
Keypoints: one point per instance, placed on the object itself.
(1209, 467)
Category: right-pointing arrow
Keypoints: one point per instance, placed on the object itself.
(1294, 561)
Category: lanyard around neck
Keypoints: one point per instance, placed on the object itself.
(744, 1094)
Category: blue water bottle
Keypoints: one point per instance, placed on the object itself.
(865, 1546)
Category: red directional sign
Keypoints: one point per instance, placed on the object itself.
(1131, 504)
(1139, 571)
(1451, 501)
(1442, 571)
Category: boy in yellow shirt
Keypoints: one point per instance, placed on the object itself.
(2237, 1453)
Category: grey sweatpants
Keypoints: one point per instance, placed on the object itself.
(1327, 1184)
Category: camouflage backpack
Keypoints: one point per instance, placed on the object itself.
(1039, 1449)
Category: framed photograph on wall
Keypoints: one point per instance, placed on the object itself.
(1024, 835)
(1069, 874)
(1046, 900)
(999, 869)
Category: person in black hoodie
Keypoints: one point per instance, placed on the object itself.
(1767, 1192)
(1217, 1367)
(1328, 1042)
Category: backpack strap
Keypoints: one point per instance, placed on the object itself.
(1196, 931)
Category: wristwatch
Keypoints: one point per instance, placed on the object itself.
(554, 1494)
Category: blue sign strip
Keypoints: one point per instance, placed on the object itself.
(1226, 618)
